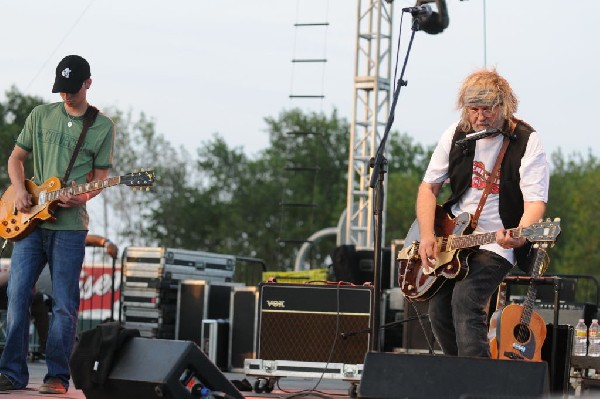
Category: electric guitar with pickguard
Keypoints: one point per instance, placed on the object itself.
(15, 225)
(452, 235)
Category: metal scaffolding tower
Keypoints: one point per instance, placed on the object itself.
(372, 95)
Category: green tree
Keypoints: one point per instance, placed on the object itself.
(300, 142)
(407, 164)
(235, 207)
(13, 113)
(140, 149)
(574, 198)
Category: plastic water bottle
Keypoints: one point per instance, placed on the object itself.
(594, 337)
(580, 341)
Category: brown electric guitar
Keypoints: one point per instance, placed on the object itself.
(15, 225)
(517, 331)
(452, 237)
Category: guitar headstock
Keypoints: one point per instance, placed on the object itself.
(139, 179)
(543, 232)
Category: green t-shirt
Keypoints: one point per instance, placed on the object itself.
(51, 141)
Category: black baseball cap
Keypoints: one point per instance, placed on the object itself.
(71, 72)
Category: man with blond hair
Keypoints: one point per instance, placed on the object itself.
(516, 197)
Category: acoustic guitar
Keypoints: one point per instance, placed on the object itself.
(452, 235)
(15, 225)
(517, 331)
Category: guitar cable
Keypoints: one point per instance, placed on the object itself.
(313, 390)
(3, 246)
(420, 318)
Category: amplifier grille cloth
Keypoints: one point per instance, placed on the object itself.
(309, 337)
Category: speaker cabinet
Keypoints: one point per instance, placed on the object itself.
(568, 313)
(417, 333)
(198, 300)
(243, 326)
(303, 322)
(560, 360)
(357, 266)
(165, 369)
(395, 375)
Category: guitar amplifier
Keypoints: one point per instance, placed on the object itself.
(568, 313)
(302, 322)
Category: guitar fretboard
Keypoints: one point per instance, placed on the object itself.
(83, 188)
(532, 290)
(472, 240)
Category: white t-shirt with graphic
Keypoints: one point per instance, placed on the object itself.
(534, 171)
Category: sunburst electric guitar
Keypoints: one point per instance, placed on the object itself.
(15, 225)
(517, 331)
(452, 235)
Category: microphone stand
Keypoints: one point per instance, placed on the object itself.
(348, 334)
(379, 166)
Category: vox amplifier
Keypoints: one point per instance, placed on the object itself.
(314, 323)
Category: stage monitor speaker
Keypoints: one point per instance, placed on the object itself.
(165, 369)
(395, 375)
(302, 322)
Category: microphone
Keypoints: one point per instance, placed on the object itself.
(477, 135)
(424, 10)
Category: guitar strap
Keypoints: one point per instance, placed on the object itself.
(488, 184)
(90, 116)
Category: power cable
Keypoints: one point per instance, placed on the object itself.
(43, 67)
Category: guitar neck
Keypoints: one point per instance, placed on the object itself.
(501, 298)
(473, 240)
(532, 290)
(84, 188)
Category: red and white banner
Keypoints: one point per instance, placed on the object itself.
(96, 296)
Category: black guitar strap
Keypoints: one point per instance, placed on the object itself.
(89, 117)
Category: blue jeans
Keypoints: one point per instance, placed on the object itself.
(64, 252)
(458, 311)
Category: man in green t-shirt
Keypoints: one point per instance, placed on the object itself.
(49, 136)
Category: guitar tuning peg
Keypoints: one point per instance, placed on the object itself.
(147, 189)
(557, 220)
(134, 189)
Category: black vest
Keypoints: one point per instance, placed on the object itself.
(460, 171)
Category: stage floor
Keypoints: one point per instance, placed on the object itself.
(286, 386)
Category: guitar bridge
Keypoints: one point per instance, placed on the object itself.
(413, 252)
(513, 356)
